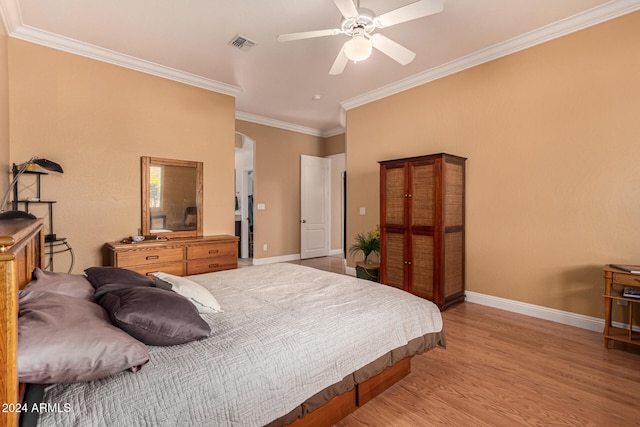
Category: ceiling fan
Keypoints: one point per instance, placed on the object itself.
(359, 24)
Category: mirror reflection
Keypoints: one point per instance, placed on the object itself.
(171, 197)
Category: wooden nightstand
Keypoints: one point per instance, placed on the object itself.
(615, 280)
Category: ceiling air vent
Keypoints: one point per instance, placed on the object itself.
(242, 42)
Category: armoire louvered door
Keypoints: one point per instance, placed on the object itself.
(422, 226)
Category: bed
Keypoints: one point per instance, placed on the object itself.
(292, 345)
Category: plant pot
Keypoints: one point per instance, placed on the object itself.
(368, 271)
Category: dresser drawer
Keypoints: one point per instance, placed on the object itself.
(146, 256)
(626, 279)
(213, 250)
(200, 266)
(175, 268)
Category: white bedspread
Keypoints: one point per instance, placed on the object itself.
(286, 333)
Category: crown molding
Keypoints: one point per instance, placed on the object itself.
(58, 42)
(11, 16)
(597, 15)
(10, 11)
(333, 132)
(261, 120)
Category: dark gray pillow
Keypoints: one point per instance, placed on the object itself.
(155, 316)
(73, 285)
(101, 276)
(63, 339)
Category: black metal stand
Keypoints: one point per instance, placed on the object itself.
(53, 244)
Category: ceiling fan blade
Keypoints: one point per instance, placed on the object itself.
(308, 35)
(347, 8)
(415, 10)
(340, 63)
(392, 49)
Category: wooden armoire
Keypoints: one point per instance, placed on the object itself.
(422, 226)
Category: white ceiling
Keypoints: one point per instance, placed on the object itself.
(275, 82)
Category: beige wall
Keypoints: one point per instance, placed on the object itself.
(277, 185)
(553, 188)
(4, 113)
(97, 120)
(334, 145)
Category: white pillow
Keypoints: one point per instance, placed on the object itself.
(194, 292)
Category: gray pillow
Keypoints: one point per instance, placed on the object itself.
(154, 316)
(73, 285)
(63, 339)
(101, 276)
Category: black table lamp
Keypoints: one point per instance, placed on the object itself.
(44, 163)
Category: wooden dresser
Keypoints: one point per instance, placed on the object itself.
(422, 226)
(179, 256)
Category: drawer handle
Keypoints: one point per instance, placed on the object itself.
(213, 251)
(153, 257)
(214, 265)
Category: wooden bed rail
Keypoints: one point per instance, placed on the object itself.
(21, 250)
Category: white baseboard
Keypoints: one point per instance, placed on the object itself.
(274, 259)
(564, 317)
(351, 271)
(291, 257)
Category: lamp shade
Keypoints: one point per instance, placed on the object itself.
(48, 165)
(358, 48)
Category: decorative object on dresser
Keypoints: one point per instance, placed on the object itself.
(178, 256)
(622, 285)
(422, 226)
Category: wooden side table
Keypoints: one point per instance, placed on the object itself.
(615, 280)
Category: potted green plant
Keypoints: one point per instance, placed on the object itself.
(367, 243)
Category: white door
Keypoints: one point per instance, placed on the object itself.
(315, 206)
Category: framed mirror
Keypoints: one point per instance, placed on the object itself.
(171, 197)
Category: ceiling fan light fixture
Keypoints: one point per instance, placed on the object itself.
(358, 48)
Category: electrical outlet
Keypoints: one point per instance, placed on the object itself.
(264, 247)
(622, 303)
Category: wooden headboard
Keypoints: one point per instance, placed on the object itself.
(21, 250)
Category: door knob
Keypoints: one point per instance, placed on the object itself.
(304, 221)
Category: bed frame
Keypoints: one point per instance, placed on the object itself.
(22, 250)
(344, 404)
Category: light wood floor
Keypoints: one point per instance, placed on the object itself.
(506, 369)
